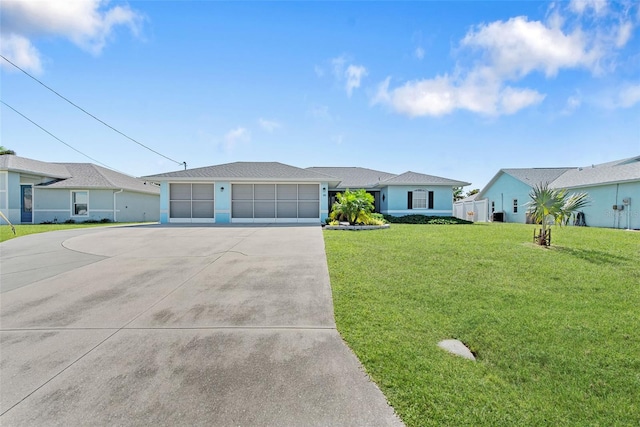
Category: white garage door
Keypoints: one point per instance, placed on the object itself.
(191, 202)
(275, 202)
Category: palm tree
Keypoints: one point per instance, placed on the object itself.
(457, 194)
(352, 206)
(556, 203)
(4, 151)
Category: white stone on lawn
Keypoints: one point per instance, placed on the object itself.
(458, 348)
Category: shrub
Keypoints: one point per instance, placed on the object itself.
(352, 206)
(424, 219)
(70, 221)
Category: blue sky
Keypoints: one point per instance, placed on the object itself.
(453, 89)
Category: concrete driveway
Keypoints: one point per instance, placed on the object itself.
(164, 325)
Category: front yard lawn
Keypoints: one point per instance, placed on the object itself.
(25, 229)
(556, 331)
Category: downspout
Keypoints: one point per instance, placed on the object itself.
(115, 218)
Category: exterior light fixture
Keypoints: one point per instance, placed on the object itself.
(221, 189)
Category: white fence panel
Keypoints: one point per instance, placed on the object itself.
(473, 210)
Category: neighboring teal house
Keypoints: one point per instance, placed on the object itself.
(274, 192)
(33, 192)
(613, 189)
(508, 191)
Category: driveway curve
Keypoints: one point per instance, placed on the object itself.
(218, 325)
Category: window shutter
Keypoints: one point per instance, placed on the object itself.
(430, 199)
(410, 200)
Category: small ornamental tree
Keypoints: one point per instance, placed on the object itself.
(352, 206)
(553, 203)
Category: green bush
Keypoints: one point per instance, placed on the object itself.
(424, 219)
(70, 221)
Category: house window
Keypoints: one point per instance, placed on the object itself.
(419, 199)
(515, 205)
(430, 199)
(80, 202)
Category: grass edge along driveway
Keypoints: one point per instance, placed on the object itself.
(25, 229)
(556, 331)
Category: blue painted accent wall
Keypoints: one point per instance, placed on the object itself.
(222, 201)
(600, 212)
(164, 202)
(396, 200)
(324, 201)
(503, 191)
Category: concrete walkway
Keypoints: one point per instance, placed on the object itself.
(153, 325)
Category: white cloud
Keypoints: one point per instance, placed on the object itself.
(236, 136)
(88, 24)
(628, 96)
(573, 103)
(338, 65)
(347, 72)
(513, 100)
(269, 125)
(443, 95)
(518, 46)
(419, 53)
(624, 32)
(509, 51)
(354, 74)
(319, 71)
(599, 7)
(21, 52)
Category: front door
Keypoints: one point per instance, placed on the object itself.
(26, 208)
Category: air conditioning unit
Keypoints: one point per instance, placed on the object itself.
(618, 207)
(626, 201)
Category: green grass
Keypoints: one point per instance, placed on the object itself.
(556, 331)
(22, 230)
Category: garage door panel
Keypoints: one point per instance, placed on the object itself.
(180, 191)
(308, 192)
(242, 191)
(264, 192)
(273, 202)
(203, 191)
(287, 209)
(180, 209)
(264, 209)
(287, 191)
(242, 209)
(202, 209)
(308, 209)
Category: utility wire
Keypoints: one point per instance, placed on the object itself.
(94, 117)
(75, 149)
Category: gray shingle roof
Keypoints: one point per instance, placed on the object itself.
(535, 176)
(354, 177)
(414, 178)
(248, 171)
(22, 164)
(87, 175)
(625, 170)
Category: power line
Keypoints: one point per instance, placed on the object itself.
(94, 117)
(74, 149)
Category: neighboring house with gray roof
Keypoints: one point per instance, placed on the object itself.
(275, 192)
(613, 189)
(33, 192)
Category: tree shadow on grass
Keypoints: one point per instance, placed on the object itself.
(593, 256)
